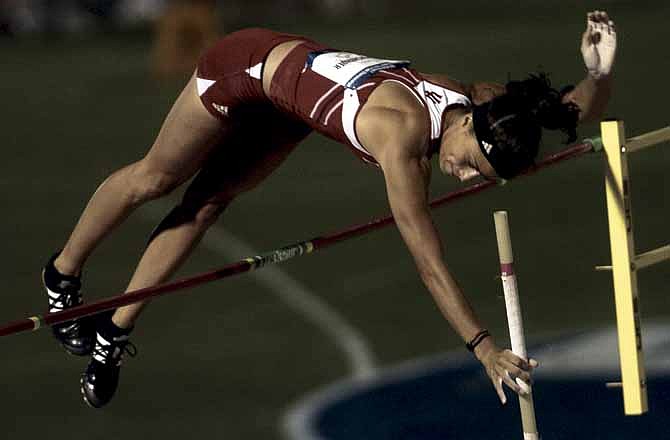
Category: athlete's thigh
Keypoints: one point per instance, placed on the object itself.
(187, 136)
(246, 158)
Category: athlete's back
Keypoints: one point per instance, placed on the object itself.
(322, 87)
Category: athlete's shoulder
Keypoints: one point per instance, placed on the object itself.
(393, 117)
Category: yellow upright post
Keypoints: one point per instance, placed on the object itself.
(623, 268)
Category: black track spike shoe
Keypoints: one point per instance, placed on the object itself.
(64, 292)
(101, 378)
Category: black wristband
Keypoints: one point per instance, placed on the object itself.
(479, 337)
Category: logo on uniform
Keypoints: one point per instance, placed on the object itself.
(487, 147)
(223, 109)
(434, 96)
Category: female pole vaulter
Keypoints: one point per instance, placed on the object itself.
(254, 96)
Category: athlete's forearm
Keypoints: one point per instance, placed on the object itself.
(591, 96)
(453, 303)
(407, 182)
(425, 246)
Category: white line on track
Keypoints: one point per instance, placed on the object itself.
(295, 295)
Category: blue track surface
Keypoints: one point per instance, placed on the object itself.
(418, 409)
(453, 399)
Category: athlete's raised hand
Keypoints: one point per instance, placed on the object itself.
(599, 44)
(503, 366)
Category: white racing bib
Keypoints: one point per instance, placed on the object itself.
(349, 69)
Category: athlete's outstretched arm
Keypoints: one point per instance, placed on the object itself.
(407, 175)
(598, 49)
(483, 91)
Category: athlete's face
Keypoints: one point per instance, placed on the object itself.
(460, 155)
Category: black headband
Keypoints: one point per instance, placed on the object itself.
(507, 164)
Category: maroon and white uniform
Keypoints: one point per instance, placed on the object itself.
(315, 85)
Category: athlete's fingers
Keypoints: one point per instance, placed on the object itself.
(590, 35)
(511, 383)
(598, 26)
(497, 384)
(518, 366)
(586, 37)
(595, 16)
(515, 371)
(507, 379)
(611, 29)
(589, 17)
(525, 386)
(515, 360)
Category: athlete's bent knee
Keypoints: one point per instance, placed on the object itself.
(209, 213)
(202, 215)
(146, 183)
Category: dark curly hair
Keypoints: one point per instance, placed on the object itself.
(509, 127)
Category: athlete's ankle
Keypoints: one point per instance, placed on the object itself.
(121, 323)
(106, 326)
(65, 267)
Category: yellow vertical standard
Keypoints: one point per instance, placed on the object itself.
(623, 268)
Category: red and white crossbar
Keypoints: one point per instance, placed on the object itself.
(248, 264)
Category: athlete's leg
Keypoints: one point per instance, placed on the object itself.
(184, 141)
(234, 169)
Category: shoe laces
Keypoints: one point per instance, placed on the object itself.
(69, 296)
(110, 352)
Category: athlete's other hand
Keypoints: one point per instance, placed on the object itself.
(599, 44)
(503, 366)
